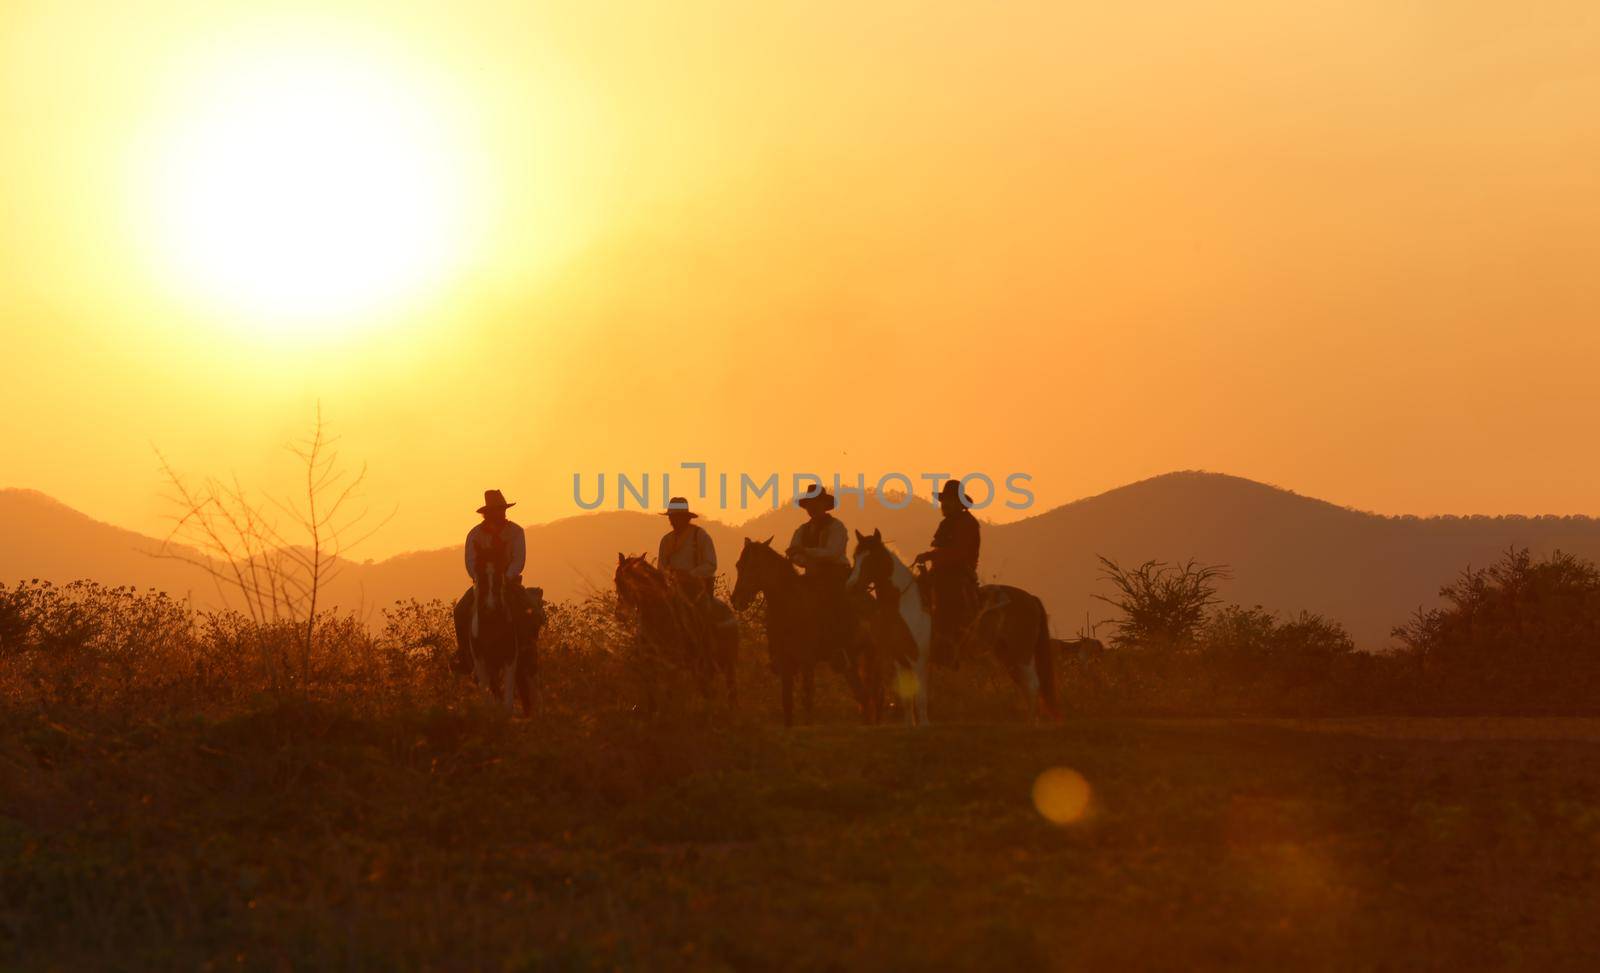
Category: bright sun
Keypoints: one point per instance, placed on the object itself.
(309, 190)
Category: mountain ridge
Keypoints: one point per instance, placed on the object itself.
(1286, 551)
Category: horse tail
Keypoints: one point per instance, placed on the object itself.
(1044, 662)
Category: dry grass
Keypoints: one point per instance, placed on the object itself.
(163, 806)
(316, 835)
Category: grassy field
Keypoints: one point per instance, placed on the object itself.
(442, 836)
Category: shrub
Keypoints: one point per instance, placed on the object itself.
(1162, 604)
(1518, 636)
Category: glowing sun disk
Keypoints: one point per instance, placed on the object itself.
(305, 189)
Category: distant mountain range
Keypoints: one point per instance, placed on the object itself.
(1286, 552)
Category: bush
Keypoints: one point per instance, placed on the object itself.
(1519, 636)
(1163, 605)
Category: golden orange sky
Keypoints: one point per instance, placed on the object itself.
(1345, 247)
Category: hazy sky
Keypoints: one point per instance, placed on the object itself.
(1345, 247)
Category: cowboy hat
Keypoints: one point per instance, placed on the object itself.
(953, 487)
(494, 500)
(678, 505)
(823, 499)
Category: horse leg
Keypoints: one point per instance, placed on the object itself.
(1032, 691)
(730, 664)
(880, 695)
(651, 670)
(1023, 675)
(525, 688)
(786, 674)
(508, 686)
(527, 670)
(480, 671)
(905, 693)
(808, 676)
(876, 689)
(863, 668)
(922, 694)
(1044, 661)
(853, 668)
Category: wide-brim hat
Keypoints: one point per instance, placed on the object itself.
(494, 500)
(953, 488)
(679, 505)
(822, 500)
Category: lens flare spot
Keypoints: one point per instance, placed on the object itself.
(905, 683)
(1061, 795)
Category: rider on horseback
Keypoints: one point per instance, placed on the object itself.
(495, 542)
(953, 572)
(688, 557)
(818, 546)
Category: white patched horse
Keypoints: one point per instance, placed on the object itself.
(503, 637)
(901, 628)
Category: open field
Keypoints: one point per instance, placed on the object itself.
(446, 837)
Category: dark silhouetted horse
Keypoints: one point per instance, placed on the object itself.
(1013, 625)
(794, 619)
(503, 640)
(675, 629)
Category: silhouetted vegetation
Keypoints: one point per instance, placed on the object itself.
(274, 557)
(168, 799)
(1179, 650)
(1244, 661)
(1162, 604)
(1520, 636)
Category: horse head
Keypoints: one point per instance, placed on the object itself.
(637, 579)
(757, 570)
(488, 587)
(873, 566)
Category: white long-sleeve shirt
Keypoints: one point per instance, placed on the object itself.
(482, 543)
(825, 549)
(688, 550)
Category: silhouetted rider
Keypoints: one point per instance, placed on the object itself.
(689, 560)
(496, 541)
(953, 571)
(819, 546)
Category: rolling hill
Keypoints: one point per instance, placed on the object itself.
(1286, 551)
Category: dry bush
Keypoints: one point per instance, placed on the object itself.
(1179, 653)
(1517, 637)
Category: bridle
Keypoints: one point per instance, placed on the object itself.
(776, 571)
(888, 575)
(636, 581)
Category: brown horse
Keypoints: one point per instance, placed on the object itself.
(503, 641)
(675, 628)
(794, 620)
(1013, 625)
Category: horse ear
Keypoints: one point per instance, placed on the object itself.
(748, 542)
(768, 541)
(877, 534)
(620, 558)
(860, 537)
